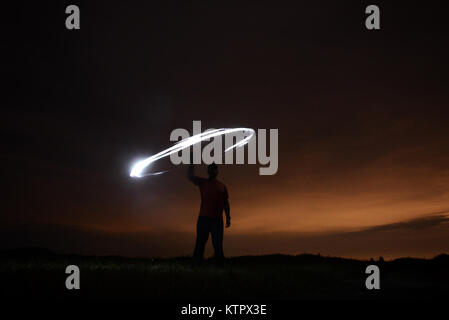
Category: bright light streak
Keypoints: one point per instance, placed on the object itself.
(139, 167)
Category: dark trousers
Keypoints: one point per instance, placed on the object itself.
(204, 226)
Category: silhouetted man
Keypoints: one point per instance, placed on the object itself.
(214, 199)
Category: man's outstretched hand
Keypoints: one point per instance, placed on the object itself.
(228, 222)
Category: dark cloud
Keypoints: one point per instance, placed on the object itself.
(427, 222)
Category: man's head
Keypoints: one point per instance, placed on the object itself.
(212, 170)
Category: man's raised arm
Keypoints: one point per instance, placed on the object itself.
(190, 172)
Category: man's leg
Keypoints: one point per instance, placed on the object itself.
(202, 234)
(217, 239)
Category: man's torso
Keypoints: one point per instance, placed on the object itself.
(213, 197)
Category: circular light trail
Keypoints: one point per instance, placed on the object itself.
(138, 168)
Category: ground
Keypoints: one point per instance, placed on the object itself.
(33, 273)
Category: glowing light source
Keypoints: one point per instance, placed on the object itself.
(140, 166)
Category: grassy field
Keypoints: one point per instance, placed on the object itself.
(41, 274)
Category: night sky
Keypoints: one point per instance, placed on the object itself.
(362, 117)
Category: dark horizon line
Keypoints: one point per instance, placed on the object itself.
(41, 252)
